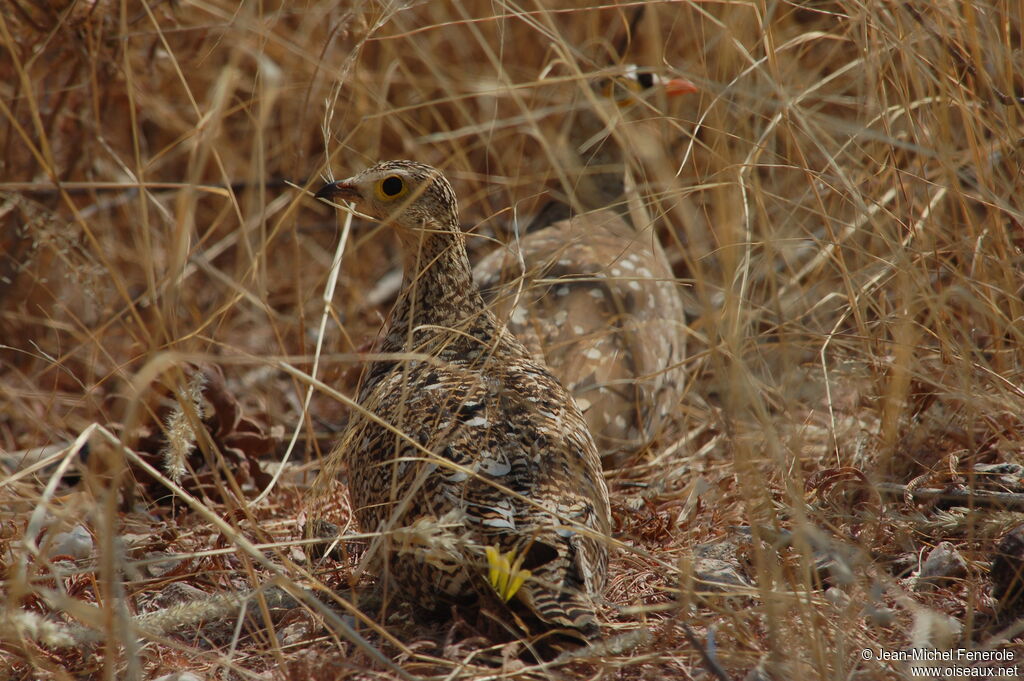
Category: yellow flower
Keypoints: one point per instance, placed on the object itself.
(504, 572)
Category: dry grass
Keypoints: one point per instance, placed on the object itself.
(843, 202)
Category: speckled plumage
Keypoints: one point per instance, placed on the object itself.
(598, 305)
(466, 442)
(597, 301)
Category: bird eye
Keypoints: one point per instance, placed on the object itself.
(646, 79)
(391, 187)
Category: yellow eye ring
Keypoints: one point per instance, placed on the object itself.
(391, 188)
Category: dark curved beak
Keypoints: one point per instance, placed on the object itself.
(337, 191)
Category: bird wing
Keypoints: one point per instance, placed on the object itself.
(503, 448)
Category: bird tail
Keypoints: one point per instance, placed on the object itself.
(554, 588)
(562, 607)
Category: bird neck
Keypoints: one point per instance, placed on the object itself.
(438, 294)
(601, 160)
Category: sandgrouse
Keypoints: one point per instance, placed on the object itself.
(593, 296)
(467, 456)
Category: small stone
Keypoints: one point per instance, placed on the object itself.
(837, 597)
(295, 632)
(713, 575)
(881, 617)
(177, 593)
(77, 543)
(943, 564)
(716, 567)
(159, 564)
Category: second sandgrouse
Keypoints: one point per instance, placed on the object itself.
(593, 296)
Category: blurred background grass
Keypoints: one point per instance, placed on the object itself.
(842, 205)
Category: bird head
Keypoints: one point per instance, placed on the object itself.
(410, 196)
(636, 83)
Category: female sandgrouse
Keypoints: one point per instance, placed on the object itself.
(597, 301)
(467, 456)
